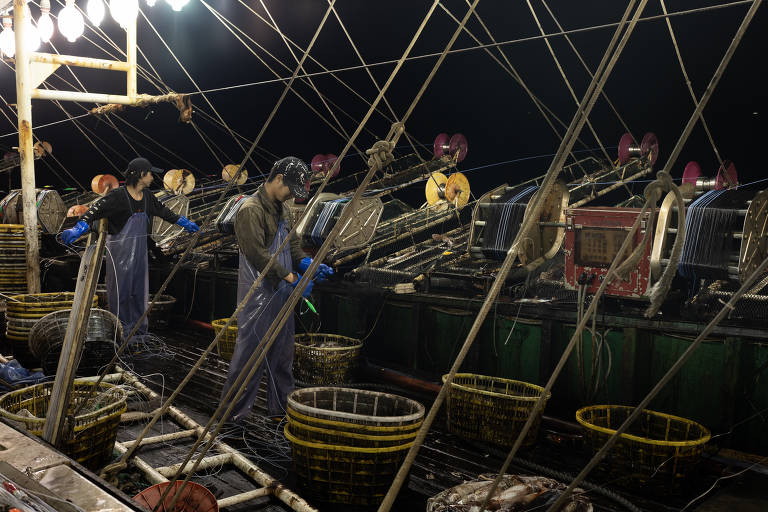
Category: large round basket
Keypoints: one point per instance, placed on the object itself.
(492, 409)
(160, 313)
(325, 359)
(194, 498)
(94, 429)
(347, 444)
(23, 312)
(13, 265)
(344, 474)
(657, 446)
(355, 410)
(103, 336)
(226, 344)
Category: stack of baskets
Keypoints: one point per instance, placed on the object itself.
(13, 260)
(492, 409)
(94, 429)
(325, 359)
(160, 312)
(347, 444)
(659, 449)
(226, 344)
(23, 312)
(103, 336)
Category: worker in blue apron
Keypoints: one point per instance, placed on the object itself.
(261, 225)
(129, 211)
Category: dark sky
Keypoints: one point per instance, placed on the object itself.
(471, 93)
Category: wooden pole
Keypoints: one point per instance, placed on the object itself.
(26, 155)
(74, 337)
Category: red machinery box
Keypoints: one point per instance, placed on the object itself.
(593, 237)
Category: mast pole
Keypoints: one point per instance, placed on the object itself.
(27, 157)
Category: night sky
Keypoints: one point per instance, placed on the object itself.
(470, 94)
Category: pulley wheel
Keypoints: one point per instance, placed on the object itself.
(727, 179)
(435, 187)
(457, 189)
(230, 170)
(441, 145)
(458, 146)
(624, 143)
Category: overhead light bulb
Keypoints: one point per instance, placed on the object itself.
(95, 9)
(71, 22)
(177, 5)
(124, 11)
(31, 35)
(44, 22)
(151, 3)
(8, 38)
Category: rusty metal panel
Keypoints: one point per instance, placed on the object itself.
(592, 239)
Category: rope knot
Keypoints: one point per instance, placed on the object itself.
(380, 155)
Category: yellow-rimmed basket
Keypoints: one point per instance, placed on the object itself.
(325, 359)
(661, 446)
(352, 475)
(23, 312)
(93, 431)
(355, 410)
(226, 344)
(492, 409)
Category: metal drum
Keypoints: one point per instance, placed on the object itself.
(51, 210)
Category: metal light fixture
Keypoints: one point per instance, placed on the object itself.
(71, 22)
(31, 34)
(177, 5)
(7, 37)
(124, 11)
(44, 22)
(95, 10)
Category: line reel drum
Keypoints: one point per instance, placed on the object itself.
(499, 214)
(51, 210)
(726, 227)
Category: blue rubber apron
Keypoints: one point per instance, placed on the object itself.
(252, 324)
(127, 275)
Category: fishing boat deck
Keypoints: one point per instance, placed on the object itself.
(443, 461)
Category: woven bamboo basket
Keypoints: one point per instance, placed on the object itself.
(23, 312)
(13, 266)
(657, 446)
(93, 431)
(102, 337)
(492, 409)
(226, 344)
(355, 410)
(160, 314)
(344, 474)
(325, 359)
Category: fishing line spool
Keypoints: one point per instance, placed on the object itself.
(629, 148)
(727, 177)
(455, 146)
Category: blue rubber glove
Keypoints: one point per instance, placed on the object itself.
(70, 235)
(322, 272)
(188, 225)
(307, 290)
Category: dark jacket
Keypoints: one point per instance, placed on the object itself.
(118, 206)
(255, 229)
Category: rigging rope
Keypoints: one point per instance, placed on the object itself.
(586, 67)
(565, 78)
(309, 80)
(690, 86)
(230, 26)
(483, 46)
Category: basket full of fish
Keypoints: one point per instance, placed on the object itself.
(516, 493)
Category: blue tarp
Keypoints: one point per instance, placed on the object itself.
(16, 375)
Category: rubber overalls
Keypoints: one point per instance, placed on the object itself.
(253, 321)
(127, 276)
